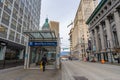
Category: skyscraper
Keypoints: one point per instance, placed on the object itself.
(15, 17)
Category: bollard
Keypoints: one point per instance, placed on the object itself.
(102, 61)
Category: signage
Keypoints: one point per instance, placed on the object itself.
(42, 43)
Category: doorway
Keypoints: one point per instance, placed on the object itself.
(38, 52)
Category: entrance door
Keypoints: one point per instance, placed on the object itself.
(37, 53)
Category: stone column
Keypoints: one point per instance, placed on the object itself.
(102, 37)
(109, 33)
(96, 40)
(110, 40)
(92, 38)
(117, 22)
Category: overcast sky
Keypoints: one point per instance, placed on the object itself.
(62, 11)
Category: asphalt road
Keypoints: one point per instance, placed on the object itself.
(91, 71)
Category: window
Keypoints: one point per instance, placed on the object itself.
(111, 18)
(1, 1)
(13, 24)
(3, 31)
(11, 35)
(17, 37)
(119, 12)
(8, 5)
(15, 13)
(16, 4)
(115, 37)
(22, 40)
(17, 1)
(19, 28)
(5, 18)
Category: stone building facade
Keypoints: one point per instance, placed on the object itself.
(104, 28)
(79, 33)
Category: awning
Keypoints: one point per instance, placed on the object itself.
(41, 35)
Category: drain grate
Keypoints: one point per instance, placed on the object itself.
(80, 78)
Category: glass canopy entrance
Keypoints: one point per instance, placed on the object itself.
(41, 35)
(42, 42)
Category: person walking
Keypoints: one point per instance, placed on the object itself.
(44, 61)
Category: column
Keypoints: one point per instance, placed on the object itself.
(37, 55)
(109, 32)
(26, 57)
(92, 39)
(117, 22)
(110, 41)
(2, 52)
(28, 60)
(102, 37)
(96, 40)
(21, 54)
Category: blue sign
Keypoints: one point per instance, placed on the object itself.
(42, 43)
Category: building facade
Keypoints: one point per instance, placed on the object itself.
(104, 28)
(15, 17)
(54, 26)
(79, 33)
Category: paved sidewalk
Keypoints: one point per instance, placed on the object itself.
(18, 73)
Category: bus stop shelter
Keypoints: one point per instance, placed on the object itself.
(42, 42)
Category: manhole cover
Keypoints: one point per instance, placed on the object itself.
(80, 78)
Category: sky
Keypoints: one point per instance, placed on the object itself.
(62, 11)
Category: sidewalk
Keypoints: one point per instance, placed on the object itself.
(106, 63)
(18, 73)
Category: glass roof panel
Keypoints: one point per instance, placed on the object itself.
(41, 34)
(36, 35)
(47, 34)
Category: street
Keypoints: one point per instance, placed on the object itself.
(78, 70)
(71, 70)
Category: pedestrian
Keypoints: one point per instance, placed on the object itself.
(44, 61)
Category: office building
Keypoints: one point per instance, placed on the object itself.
(15, 17)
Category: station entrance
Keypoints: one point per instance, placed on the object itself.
(41, 43)
(37, 53)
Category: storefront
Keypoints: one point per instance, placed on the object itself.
(11, 54)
